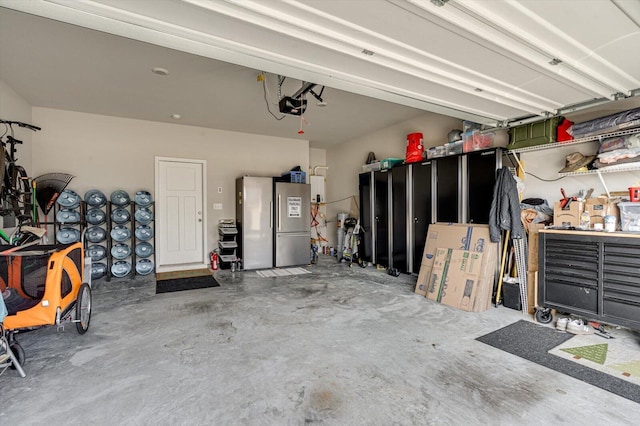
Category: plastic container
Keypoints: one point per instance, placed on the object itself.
(143, 216)
(143, 198)
(531, 134)
(68, 235)
(96, 216)
(120, 215)
(511, 295)
(415, 148)
(95, 198)
(585, 220)
(68, 216)
(478, 140)
(98, 270)
(629, 217)
(436, 151)
(120, 198)
(295, 176)
(372, 167)
(95, 234)
(144, 266)
(453, 148)
(120, 251)
(610, 221)
(120, 233)
(97, 252)
(388, 163)
(69, 199)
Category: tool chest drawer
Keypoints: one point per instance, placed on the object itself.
(594, 274)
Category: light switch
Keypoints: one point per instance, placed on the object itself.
(217, 206)
(219, 190)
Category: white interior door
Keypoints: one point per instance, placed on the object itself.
(180, 216)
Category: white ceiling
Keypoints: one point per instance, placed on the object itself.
(487, 61)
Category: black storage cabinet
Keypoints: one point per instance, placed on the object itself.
(399, 198)
(421, 191)
(365, 249)
(381, 217)
(591, 274)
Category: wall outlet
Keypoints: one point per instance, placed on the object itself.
(217, 206)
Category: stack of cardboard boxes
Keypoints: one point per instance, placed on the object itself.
(459, 266)
(597, 207)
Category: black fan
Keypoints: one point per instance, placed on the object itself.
(49, 187)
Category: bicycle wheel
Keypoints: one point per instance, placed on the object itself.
(20, 195)
(4, 173)
(83, 308)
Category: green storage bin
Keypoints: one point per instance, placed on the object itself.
(388, 163)
(532, 134)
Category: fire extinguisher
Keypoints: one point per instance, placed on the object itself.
(214, 260)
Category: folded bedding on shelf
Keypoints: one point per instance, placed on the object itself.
(622, 162)
(619, 142)
(613, 122)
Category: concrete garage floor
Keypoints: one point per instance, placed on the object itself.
(339, 346)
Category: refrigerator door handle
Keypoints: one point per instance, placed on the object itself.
(279, 207)
(271, 214)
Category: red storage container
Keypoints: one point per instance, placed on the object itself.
(415, 148)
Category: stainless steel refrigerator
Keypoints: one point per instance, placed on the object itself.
(254, 220)
(292, 224)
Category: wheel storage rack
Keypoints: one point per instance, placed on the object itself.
(107, 243)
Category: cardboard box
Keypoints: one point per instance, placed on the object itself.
(455, 278)
(599, 207)
(568, 217)
(469, 237)
(532, 291)
(532, 260)
(438, 274)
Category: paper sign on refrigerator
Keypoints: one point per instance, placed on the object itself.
(294, 206)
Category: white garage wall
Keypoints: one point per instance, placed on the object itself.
(110, 153)
(345, 160)
(14, 107)
(317, 157)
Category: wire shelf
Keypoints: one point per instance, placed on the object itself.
(612, 169)
(581, 140)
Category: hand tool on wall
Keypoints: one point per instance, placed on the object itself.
(567, 204)
(564, 201)
(589, 192)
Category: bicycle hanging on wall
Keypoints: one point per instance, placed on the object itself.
(16, 192)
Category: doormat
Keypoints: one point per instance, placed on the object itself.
(618, 357)
(281, 272)
(533, 342)
(190, 283)
(182, 274)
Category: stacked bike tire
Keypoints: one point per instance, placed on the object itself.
(118, 231)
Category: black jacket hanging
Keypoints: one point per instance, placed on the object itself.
(505, 207)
